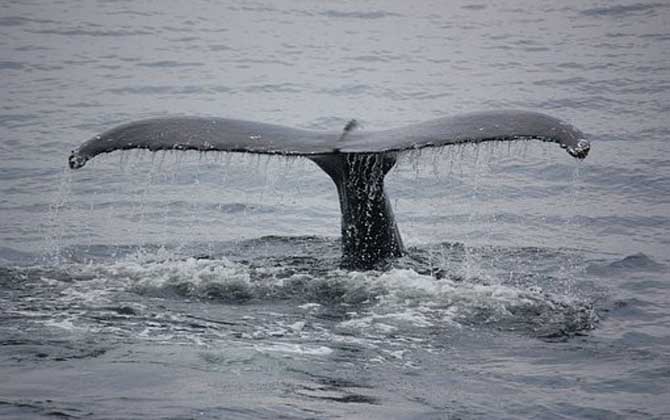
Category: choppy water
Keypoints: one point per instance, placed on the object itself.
(207, 286)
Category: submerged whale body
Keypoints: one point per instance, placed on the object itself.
(356, 161)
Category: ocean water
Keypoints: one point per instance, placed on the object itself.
(186, 285)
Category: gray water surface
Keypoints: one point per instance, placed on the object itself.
(186, 285)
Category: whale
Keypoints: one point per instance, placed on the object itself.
(356, 160)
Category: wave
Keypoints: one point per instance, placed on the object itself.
(157, 294)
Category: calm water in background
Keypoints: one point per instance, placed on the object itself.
(206, 286)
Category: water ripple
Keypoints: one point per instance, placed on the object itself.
(91, 32)
(168, 64)
(622, 10)
(378, 14)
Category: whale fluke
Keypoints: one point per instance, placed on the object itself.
(205, 134)
(357, 161)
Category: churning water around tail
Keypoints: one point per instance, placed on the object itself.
(187, 285)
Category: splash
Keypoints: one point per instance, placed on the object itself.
(398, 302)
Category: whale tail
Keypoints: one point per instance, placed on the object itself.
(356, 161)
(370, 236)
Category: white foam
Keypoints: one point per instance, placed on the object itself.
(64, 324)
(398, 303)
(191, 276)
(293, 348)
(409, 300)
(297, 326)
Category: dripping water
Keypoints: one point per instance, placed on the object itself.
(55, 229)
